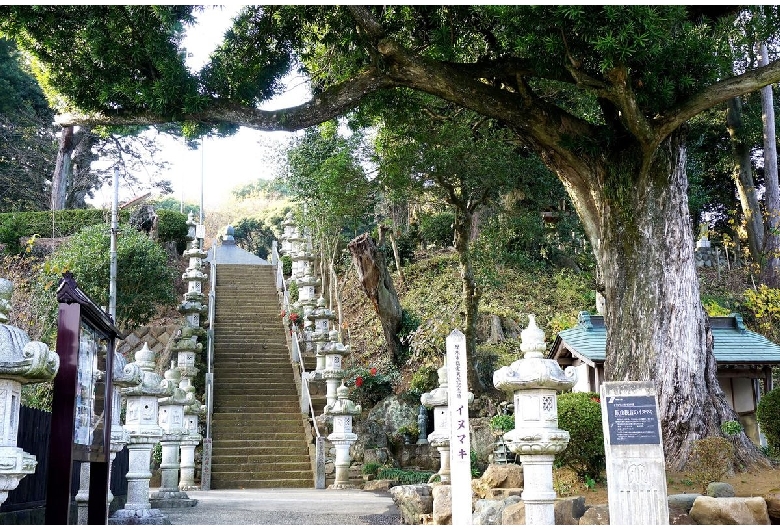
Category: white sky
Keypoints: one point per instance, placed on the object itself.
(222, 163)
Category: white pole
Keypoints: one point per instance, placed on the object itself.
(202, 145)
(114, 230)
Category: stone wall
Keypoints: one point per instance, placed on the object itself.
(159, 338)
(709, 256)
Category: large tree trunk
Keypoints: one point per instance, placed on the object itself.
(378, 286)
(470, 289)
(657, 328)
(743, 178)
(62, 169)
(771, 270)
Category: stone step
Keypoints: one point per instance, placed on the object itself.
(235, 483)
(244, 460)
(234, 408)
(269, 468)
(233, 447)
(260, 434)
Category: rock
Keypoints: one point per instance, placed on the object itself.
(490, 512)
(720, 489)
(500, 476)
(595, 515)
(568, 510)
(513, 514)
(683, 501)
(679, 516)
(412, 501)
(773, 507)
(442, 504)
(503, 493)
(729, 510)
(380, 485)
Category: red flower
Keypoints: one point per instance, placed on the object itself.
(595, 400)
(358, 381)
(372, 372)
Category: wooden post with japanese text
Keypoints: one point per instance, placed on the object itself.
(460, 439)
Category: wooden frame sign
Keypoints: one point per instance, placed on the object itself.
(81, 408)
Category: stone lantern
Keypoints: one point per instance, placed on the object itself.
(21, 362)
(171, 420)
(536, 437)
(334, 352)
(342, 411)
(189, 441)
(141, 424)
(321, 317)
(306, 290)
(302, 262)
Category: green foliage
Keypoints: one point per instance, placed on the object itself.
(157, 455)
(731, 428)
(371, 468)
(711, 459)
(254, 236)
(424, 379)
(144, 278)
(764, 302)
(410, 429)
(369, 385)
(38, 396)
(172, 226)
(405, 477)
(292, 290)
(502, 422)
(437, 229)
(713, 307)
(768, 416)
(579, 413)
(58, 223)
(286, 265)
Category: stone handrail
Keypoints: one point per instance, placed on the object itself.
(206, 460)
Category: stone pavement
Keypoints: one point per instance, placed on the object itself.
(287, 506)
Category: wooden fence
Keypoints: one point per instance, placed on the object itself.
(34, 429)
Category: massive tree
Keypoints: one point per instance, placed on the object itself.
(601, 93)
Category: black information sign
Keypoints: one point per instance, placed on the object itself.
(632, 420)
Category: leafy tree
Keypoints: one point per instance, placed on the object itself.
(144, 279)
(600, 93)
(26, 137)
(254, 236)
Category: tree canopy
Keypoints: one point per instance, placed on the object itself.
(600, 93)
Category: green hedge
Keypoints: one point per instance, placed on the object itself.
(171, 226)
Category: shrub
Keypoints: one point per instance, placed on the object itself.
(286, 265)
(405, 477)
(768, 416)
(369, 385)
(580, 414)
(371, 468)
(144, 278)
(438, 229)
(711, 459)
(502, 422)
(424, 380)
(172, 226)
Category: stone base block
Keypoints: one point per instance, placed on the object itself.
(171, 499)
(145, 516)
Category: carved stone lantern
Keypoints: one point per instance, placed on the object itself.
(536, 437)
(307, 290)
(342, 411)
(141, 424)
(321, 317)
(302, 262)
(171, 420)
(334, 352)
(21, 362)
(189, 441)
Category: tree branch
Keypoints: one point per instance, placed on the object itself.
(714, 94)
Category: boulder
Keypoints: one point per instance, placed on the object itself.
(773, 506)
(720, 489)
(490, 512)
(442, 504)
(568, 510)
(679, 516)
(379, 485)
(412, 501)
(729, 510)
(595, 515)
(682, 501)
(513, 514)
(498, 476)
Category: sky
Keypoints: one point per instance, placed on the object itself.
(221, 163)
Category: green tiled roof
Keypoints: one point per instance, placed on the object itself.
(732, 343)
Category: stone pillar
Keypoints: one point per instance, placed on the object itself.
(320, 318)
(440, 437)
(189, 442)
(171, 420)
(342, 411)
(307, 287)
(536, 437)
(334, 352)
(21, 362)
(144, 432)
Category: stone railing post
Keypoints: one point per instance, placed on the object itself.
(536, 437)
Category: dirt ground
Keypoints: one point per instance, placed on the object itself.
(748, 484)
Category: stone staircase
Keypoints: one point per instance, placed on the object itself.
(258, 436)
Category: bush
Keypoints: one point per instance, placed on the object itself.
(172, 226)
(502, 422)
(286, 265)
(580, 414)
(711, 459)
(144, 278)
(438, 229)
(369, 385)
(768, 416)
(405, 477)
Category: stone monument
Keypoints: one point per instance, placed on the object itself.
(536, 437)
(342, 411)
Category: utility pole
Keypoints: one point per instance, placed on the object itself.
(114, 231)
